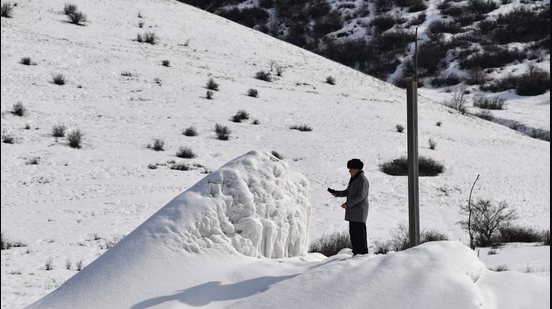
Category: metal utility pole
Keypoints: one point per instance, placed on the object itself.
(412, 130)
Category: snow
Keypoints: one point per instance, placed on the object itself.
(251, 206)
(237, 236)
(433, 275)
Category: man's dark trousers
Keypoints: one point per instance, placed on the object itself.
(357, 232)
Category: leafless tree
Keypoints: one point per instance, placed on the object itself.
(484, 220)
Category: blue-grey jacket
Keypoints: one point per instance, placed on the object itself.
(357, 198)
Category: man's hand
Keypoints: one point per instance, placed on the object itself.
(345, 206)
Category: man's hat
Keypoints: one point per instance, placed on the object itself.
(355, 163)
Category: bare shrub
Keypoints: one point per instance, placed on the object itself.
(212, 85)
(49, 265)
(540, 134)
(430, 56)
(147, 37)
(501, 268)
(6, 10)
(180, 167)
(152, 166)
(32, 161)
(522, 24)
(190, 131)
(302, 128)
(79, 265)
(535, 82)
(516, 233)
(445, 81)
(279, 70)
(6, 243)
(432, 144)
(151, 38)
(443, 26)
(501, 84)
(331, 244)
(418, 20)
(58, 130)
(384, 22)
(264, 76)
(77, 18)
(19, 109)
(417, 6)
(166, 63)
(158, 144)
(432, 235)
(400, 238)
(127, 74)
(8, 139)
(382, 247)
(485, 102)
(438, 123)
(492, 252)
(485, 220)
(209, 95)
(277, 155)
(481, 7)
(240, 116)
(399, 167)
(68, 264)
(330, 80)
(492, 57)
(27, 61)
(485, 115)
(399, 128)
(476, 76)
(330, 22)
(222, 132)
(69, 8)
(458, 101)
(74, 138)
(248, 17)
(253, 93)
(382, 6)
(59, 79)
(256, 122)
(185, 153)
(111, 242)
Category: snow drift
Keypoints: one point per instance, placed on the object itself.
(433, 275)
(252, 206)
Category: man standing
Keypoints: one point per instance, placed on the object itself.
(356, 205)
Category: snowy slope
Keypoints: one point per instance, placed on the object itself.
(75, 202)
(244, 207)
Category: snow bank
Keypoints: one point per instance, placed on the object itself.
(253, 205)
(433, 275)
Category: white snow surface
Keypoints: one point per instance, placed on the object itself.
(238, 236)
(252, 205)
(432, 275)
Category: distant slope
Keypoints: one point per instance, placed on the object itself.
(460, 41)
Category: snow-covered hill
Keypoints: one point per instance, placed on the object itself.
(457, 38)
(69, 205)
